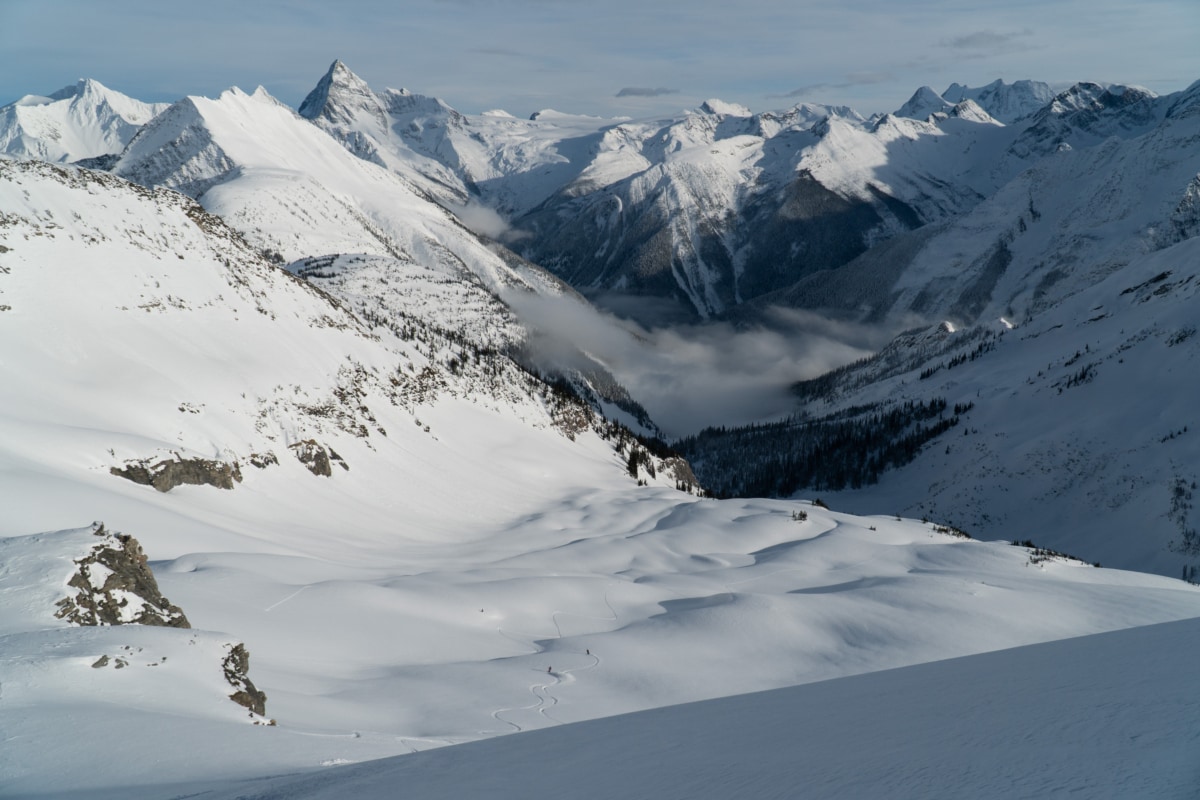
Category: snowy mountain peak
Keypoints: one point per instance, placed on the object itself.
(924, 102)
(79, 88)
(83, 120)
(1006, 102)
(1095, 97)
(724, 109)
(970, 110)
(341, 96)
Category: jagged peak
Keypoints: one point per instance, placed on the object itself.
(970, 110)
(1186, 102)
(1088, 94)
(924, 103)
(81, 87)
(402, 101)
(724, 109)
(339, 95)
(1005, 102)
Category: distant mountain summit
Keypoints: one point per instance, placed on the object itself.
(1007, 102)
(341, 97)
(83, 120)
(924, 103)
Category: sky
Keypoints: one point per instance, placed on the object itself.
(620, 57)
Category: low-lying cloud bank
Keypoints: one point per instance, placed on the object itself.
(697, 375)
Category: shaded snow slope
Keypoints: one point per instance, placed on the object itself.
(1091, 715)
(81, 121)
(1104, 179)
(1080, 413)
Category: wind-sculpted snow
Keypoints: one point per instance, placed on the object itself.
(602, 601)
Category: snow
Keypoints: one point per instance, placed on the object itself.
(1090, 715)
(84, 120)
(475, 572)
(481, 569)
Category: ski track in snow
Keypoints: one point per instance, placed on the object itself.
(284, 600)
(545, 699)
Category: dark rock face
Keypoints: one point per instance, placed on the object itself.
(318, 458)
(116, 587)
(165, 475)
(237, 667)
(263, 460)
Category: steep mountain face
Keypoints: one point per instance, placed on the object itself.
(1084, 188)
(506, 164)
(708, 210)
(1087, 254)
(714, 210)
(924, 103)
(297, 195)
(86, 120)
(293, 191)
(1007, 102)
(1080, 414)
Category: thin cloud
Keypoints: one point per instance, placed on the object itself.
(979, 44)
(850, 80)
(499, 51)
(638, 91)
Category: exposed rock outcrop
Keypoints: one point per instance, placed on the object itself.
(115, 587)
(166, 474)
(317, 457)
(237, 667)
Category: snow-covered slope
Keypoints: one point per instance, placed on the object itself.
(171, 297)
(1007, 102)
(294, 192)
(613, 601)
(419, 543)
(1093, 181)
(85, 120)
(491, 162)
(1081, 412)
(1090, 716)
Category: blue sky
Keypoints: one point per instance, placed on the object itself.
(635, 57)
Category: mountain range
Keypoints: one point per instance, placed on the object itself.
(357, 384)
